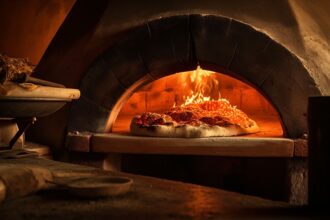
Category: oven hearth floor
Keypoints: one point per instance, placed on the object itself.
(217, 146)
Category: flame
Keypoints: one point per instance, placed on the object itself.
(202, 86)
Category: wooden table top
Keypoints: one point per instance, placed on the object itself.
(149, 198)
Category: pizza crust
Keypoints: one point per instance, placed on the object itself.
(189, 131)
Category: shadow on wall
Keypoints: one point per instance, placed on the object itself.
(27, 27)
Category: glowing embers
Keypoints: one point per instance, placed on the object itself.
(195, 87)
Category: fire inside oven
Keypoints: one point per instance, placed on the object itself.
(195, 87)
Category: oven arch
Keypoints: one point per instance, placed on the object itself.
(179, 43)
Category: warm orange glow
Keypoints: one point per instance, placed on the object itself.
(198, 86)
(201, 83)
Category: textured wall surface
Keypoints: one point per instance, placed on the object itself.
(27, 27)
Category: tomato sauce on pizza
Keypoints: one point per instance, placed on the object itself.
(213, 118)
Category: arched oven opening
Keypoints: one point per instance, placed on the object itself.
(180, 43)
(196, 86)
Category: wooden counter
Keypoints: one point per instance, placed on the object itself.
(149, 198)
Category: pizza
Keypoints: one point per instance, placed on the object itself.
(206, 119)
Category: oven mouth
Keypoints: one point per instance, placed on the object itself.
(163, 46)
(180, 43)
(196, 88)
(269, 142)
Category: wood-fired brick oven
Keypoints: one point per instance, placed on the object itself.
(118, 47)
(149, 49)
(178, 43)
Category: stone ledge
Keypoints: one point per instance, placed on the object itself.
(81, 142)
(300, 148)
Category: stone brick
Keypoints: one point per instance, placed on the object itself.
(86, 115)
(211, 40)
(135, 104)
(78, 141)
(254, 103)
(289, 87)
(157, 85)
(298, 181)
(159, 101)
(250, 60)
(169, 48)
(300, 148)
(124, 59)
(101, 85)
